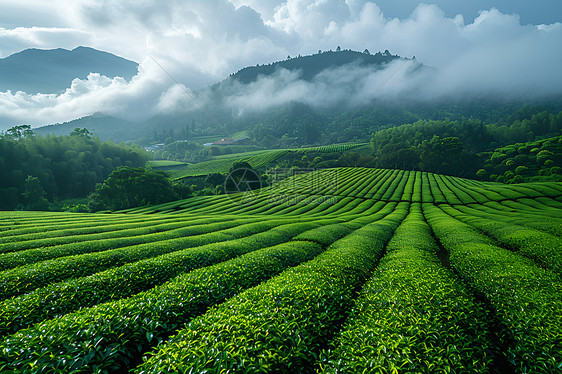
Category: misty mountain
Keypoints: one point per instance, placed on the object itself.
(52, 71)
(312, 65)
(103, 126)
(329, 97)
(217, 110)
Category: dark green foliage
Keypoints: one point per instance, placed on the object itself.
(34, 196)
(428, 145)
(131, 187)
(398, 156)
(214, 179)
(523, 162)
(65, 166)
(19, 132)
(84, 133)
(242, 177)
(443, 155)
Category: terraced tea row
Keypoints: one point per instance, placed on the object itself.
(341, 270)
(324, 192)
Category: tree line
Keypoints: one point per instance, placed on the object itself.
(36, 169)
(462, 148)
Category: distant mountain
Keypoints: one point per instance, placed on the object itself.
(104, 126)
(52, 71)
(219, 116)
(245, 102)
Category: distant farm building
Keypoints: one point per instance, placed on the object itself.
(154, 147)
(225, 141)
(230, 141)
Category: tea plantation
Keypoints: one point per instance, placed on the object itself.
(347, 270)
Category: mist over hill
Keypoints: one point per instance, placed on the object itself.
(332, 81)
(330, 96)
(312, 65)
(102, 125)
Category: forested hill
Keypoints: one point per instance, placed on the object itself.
(105, 127)
(312, 65)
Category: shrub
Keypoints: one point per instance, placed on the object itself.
(520, 170)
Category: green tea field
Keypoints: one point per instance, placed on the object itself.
(257, 159)
(345, 270)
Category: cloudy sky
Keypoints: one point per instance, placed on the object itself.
(498, 45)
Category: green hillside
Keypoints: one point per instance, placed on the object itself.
(523, 162)
(336, 270)
(257, 159)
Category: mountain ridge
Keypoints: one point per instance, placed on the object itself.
(312, 65)
(52, 70)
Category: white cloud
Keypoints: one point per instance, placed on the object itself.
(349, 85)
(134, 100)
(19, 38)
(199, 42)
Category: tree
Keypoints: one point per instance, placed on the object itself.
(366, 51)
(398, 156)
(34, 195)
(214, 179)
(481, 173)
(83, 133)
(543, 155)
(520, 170)
(338, 49)
(183, 189)
(18, 132)
(441, 155)
(131, 187)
